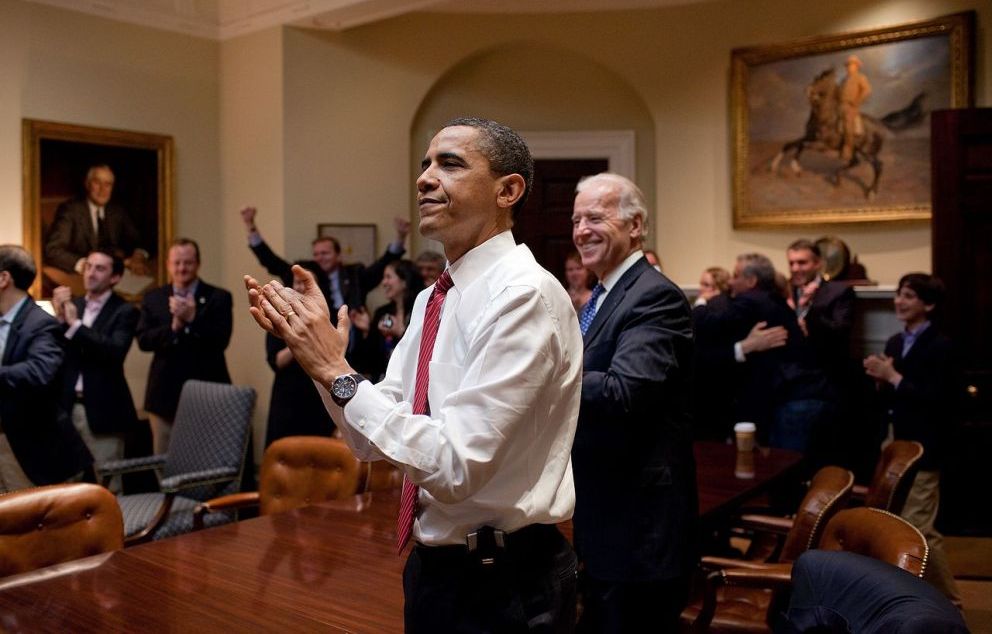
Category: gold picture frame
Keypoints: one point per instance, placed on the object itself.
(788, 94)
(57, 157)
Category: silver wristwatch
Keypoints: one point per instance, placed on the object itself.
(344, 387)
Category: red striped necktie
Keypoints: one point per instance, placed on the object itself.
(432, 319)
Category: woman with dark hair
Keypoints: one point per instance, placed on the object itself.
(578, 281)
(295, 408)
(377, 336)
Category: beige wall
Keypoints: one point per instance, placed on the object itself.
(251, 144)
(354, 99)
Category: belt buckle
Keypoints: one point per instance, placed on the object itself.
(486, 544)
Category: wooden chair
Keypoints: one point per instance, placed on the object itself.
(867, 531)
(57, 523)
(296, 471)
(893, 477)
(736, 609)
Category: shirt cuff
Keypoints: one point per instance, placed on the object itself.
(73, 328)
(254, 239)
(739, 353)
(396, 247)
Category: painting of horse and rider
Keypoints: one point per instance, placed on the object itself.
(837, 128)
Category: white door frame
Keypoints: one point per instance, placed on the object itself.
(617, 146)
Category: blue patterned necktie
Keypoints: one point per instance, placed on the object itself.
(589, 310)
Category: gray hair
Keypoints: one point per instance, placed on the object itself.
(759, 267)
(632, 203)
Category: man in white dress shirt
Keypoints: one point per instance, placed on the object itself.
(487, 433)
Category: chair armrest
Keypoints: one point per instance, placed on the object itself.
(767, 523)
(774, 576)
(711, 563)
(131, 465)
(859, 494)
(224, 503)
(174, 484)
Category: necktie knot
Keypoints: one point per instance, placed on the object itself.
(589, 310)
(443, 283)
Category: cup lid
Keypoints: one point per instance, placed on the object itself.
(745, 427)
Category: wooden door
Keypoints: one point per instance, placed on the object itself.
(961, 163)
(545, 222)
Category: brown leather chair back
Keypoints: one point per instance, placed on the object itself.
(894, 474)
(302, 470)
(52, 524)
(828, 492)
(380, 476)
(878, 534)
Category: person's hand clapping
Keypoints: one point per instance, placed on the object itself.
(302, 320)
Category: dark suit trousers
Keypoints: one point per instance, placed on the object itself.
(532, 590)
(620, 607)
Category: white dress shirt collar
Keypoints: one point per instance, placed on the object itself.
(610, 279)
(478, 260)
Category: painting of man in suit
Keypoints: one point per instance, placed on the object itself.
(94, 222)
(96, 189)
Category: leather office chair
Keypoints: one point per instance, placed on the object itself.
(867, 531)
(205, 459)
(52, 524)
(296, 471)
(380, 476)
(744, 609)
(893, 477)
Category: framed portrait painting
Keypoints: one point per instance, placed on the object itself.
(87, 188)
(357, 241)
(837, 128)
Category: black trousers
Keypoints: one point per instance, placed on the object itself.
(644, 606)
(529, 587)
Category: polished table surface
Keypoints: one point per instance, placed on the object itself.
(721, 487)
(331, 567)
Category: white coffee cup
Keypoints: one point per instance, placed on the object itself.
(745, 436)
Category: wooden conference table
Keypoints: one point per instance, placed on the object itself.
(321, 568)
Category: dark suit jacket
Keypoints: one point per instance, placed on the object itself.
(356, 279)
(196, 352)
(773, 377)
(295, 408)
(98, 354)
(72, 236)
(635, 478)
(925, 405)
(45, 443)
(829, 322)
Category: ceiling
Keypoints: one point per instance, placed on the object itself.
(223, 19)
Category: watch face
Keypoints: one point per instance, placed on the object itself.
(344, 386)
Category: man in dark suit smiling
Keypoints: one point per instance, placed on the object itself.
(635, 482)
(187, 324)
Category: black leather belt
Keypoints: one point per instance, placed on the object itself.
(488, 545)
(79, 397)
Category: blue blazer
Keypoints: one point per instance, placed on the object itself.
(635, 477)
(46, 444)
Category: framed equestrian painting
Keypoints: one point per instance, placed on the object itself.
(87, 188)
(837, 128)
